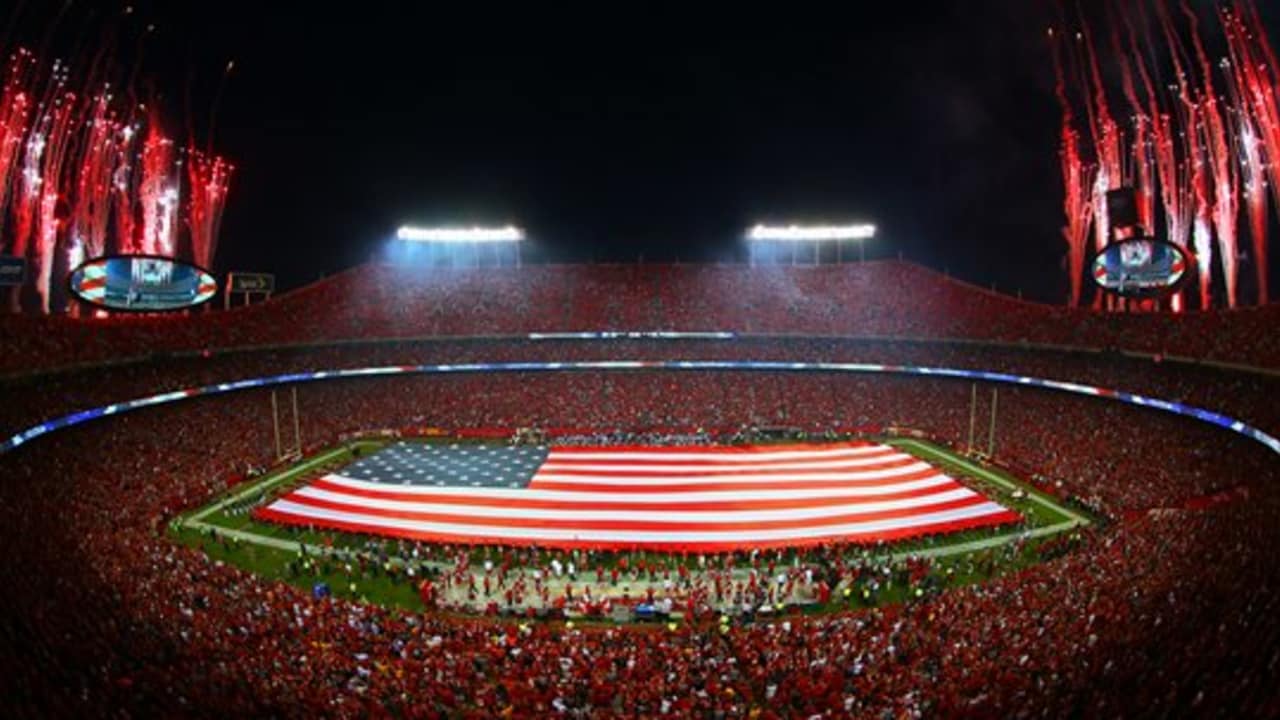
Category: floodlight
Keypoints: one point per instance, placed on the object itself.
(810, 233)
(509, 233)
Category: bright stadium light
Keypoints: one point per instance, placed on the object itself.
(810, 233)
(509, 233)
(766, 243)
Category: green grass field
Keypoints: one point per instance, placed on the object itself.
(374, 569)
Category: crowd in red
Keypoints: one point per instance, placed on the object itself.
(883, 299)
(48, 395)
(1164, 611)
(825, 401)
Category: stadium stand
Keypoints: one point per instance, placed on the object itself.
(128, 619)
(1169, 609)
(876, 299)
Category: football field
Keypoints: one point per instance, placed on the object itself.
(383, 567)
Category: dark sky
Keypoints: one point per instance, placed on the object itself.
(623, 130)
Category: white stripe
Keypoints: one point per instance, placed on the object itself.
(495, 532)
(735, 456)
(775, 480)
(518, 494)
(705, 469)
(683, 516)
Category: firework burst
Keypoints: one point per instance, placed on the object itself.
(86, 171)
(1205, 143)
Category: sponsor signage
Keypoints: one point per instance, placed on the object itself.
(246, 282)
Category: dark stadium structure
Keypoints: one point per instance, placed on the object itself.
(1166, 606)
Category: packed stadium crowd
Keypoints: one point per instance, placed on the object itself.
(877, 299)
(1167, 610)
(47, 395)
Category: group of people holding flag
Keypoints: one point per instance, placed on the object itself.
(1166, 608)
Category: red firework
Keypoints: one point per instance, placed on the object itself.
(208, 180)
(1251, 73)
(84, 173)
(1077, 202)
(1200, 153)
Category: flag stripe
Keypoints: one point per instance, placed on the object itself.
(340, 501)
(636, 504)
(719, 456)
(653, 497)
(559, 467)
(516, 495)
(922, 523)
(628, 522)
(737, 478)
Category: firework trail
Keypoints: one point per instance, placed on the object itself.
(1107, 139)
(1142, 133)
(87, 232)
(208, 179)
(123, 189)
(49, 192)
(158, 192)
(1174, 183)
(1191, 124)
(1250, 70)
(1201, 225)
(1077, 178)
(1226, 191)
(15, 112)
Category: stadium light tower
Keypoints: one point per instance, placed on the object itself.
(815, 234)
(507, 233)
(474, 237)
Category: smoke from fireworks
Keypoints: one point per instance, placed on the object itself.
(86, 172)
(1204, 154)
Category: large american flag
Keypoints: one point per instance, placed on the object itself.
(655, 497)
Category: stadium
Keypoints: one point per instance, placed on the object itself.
(453, 480)
(1166, 555)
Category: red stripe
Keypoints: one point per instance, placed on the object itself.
(620, 469)
(861, 538)
(781, 484)
(555, 458)
(636, 525)
(704, 449)
(651, 506)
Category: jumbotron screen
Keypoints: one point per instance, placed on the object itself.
(141, 283)
(1140, 267)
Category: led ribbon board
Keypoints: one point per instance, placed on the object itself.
(1208, 416)
(632, 335)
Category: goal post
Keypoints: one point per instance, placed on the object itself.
(286, 448)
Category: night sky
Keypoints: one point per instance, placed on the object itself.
(624, 130)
